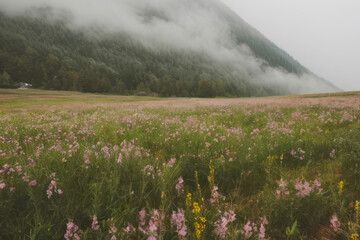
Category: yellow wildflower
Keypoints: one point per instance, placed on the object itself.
(341, 186)
(354, 236)
(188, 199)
(199, 226)
(357, 208)
(196, 208)
(203, 219)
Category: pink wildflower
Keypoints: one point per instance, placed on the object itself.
(221, 224)
(171, 162)
(332, 153)
(87, 159)
(317, 184)
(335, 223)
(216, 197)
(152, 226)
(95, 224)
(32, 183)
(25, 177)
(112, 229)
(2, 185)
(72, 231)
(142, 215)
(282, 190)
(129, 228)
(262, 232)
(304, 189)
(248, 230)
(179, 186)
(119, 160)
(178, 220)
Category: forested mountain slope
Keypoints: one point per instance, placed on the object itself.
(45, 48)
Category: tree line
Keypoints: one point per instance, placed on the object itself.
(51, 56)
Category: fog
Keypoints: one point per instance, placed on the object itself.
(179, 25)
(323, 35)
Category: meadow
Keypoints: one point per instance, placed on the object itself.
(85, 166)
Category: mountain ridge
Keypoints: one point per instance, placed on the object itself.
(236, 60)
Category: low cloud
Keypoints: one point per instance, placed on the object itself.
(180, 25)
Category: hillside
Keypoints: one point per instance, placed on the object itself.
(221, 56)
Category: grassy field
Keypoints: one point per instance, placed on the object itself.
(86, 166)
(24, 98)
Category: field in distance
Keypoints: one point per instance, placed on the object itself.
(90, 166)
(12, 99)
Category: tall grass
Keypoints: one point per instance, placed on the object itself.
(246, 173)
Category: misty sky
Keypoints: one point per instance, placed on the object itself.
(323, 35)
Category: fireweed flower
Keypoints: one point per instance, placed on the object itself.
(179, 186)
(95, 224)
(304, 188)
(248, 230)
(282, 191)
(171, 162)
(332, 153)
(53, 187)
(87, 159)
(221, 224)
(32, 183)
(72, 231)
(129, 228)
(335, 223)
(112, 229)
(178, 220)
(216, 197)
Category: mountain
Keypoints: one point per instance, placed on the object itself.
(153, 47)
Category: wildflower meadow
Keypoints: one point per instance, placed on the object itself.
(181, 169)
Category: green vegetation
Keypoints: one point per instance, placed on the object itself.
(166, 173)
(22, 98)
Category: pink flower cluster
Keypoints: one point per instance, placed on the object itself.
(332, 153)
(72, 231)
(221, 227)
(301, 153)
(156, 223)
(179, 186)
(113, 231)
(282, 191)
(95, 224)
(178, 220)
(253, 228)
(8, 172)
(170, 163)
(305, 189)
(335, 223)
(216, 197)
(53, 187)
(150, 171)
